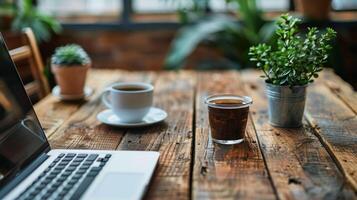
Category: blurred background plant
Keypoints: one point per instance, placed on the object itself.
(16, 15)
(231, 34)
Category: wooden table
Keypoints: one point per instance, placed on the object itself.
(317, 161)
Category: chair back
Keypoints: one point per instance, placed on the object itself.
(30, 52)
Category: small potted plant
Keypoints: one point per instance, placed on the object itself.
(70, 64)
(290, 67)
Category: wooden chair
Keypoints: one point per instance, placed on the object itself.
(30, 52)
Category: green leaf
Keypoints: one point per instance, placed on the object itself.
(188, 38)
(71, 54)
(295, 59)
(27, 15)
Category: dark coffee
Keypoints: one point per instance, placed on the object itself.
(228, 119)
(130, 88)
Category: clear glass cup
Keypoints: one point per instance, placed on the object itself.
(228, 116)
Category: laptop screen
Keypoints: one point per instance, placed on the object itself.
(21, 136)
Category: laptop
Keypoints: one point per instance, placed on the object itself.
(30, 169)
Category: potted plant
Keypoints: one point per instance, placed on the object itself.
(70, 64)
(290, 67)
(220, 32)
(17, 15)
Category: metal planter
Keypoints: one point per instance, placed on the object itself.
(286, 105)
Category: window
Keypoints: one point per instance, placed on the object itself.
(153, 6)
(344, 4)
(95, 11)
(82, 10)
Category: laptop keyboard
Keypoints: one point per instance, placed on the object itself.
(67, 177)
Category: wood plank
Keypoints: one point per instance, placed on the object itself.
(299, 166)
(335, 124)
(53, 113)
(174, 92)
(226, 172)
(339, 87)
(82, 130)
(20, 53)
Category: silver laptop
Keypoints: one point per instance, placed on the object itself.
(29, 169)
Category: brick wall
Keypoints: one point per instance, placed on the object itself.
(134, 50)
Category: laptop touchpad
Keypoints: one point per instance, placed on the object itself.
(119, 186)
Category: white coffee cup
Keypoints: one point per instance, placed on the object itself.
(130, 101)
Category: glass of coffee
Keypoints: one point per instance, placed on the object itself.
(228, 116)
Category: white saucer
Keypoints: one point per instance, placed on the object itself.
(155, 115)
(56, 91)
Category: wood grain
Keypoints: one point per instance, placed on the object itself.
(340, 88)
(336, 126)
(226, 172)
(317, 161)
(82, 130)
(53, 112)
(299, 166)
(174, 92)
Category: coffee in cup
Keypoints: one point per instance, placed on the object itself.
(130, 101)
(228, 116)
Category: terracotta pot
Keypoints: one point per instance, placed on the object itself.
(71, 79)
(314, 9)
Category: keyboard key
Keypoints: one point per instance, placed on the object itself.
(108, 156)
(64, 175)
(56, 171)
(46, 196)
(52, 189)
(51, 176)
(63, 164)
(46, 181)
(71, 168)
(96, 169)
(77, 176)
(87, 163)
(59, 167)
(75, 163)
(92, 174)
(62, 193)
(78, 159)
(34, 193)
(73, 181)
(61, 155)
(31, 196)
(67, 188)
(82, 155)
(38, 188)
(84, 167)
(67, 173)
(67, 159)
(92, 157)
(70, 155)
(61, 179)
(41, 186)
(56, 160)
(56, 184)
(82, 188)
(80, 171)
